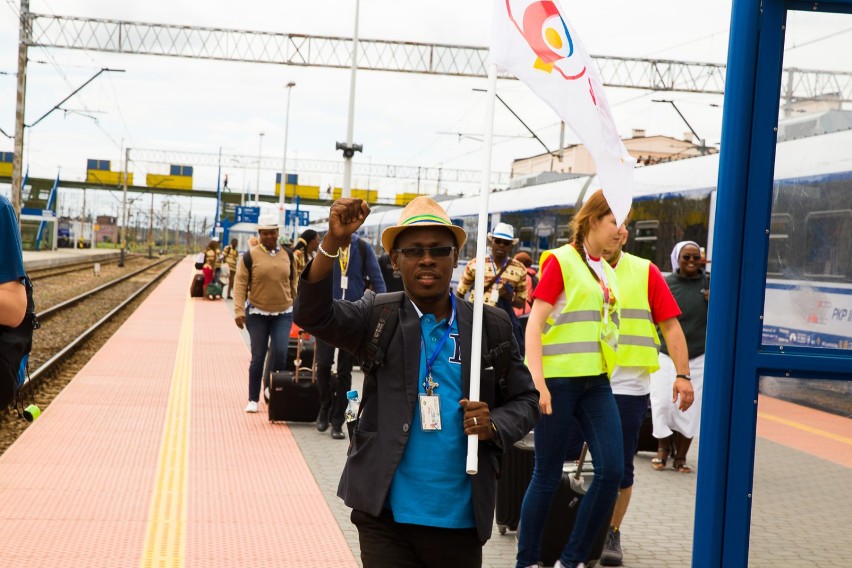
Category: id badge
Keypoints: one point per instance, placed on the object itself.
(344, 282)
(430, 413)
(494, 295)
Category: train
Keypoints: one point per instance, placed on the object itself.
(809, 269)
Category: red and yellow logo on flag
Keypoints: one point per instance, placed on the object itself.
(548, 36)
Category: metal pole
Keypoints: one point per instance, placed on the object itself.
(20, 103)
(472, 464)
(151, 228)
(283, 185)
(124, 210)
(259, 153)
(350, 121)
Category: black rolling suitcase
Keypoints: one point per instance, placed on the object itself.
(518, 463)
(293, 395)
(576, 479)
(196, 289)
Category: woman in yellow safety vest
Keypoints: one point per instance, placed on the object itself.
(571, 339)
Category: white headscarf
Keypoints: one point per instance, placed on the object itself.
(676, 252)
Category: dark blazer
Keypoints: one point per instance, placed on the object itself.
(379, 442)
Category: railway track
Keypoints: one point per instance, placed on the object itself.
(72, 332)
(87, 265)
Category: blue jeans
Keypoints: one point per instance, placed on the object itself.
(591, 401)
(631, 409)
(261, 329)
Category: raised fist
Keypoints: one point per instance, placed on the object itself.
(346, 216)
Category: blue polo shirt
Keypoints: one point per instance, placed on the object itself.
(430, 486)
(12, 266)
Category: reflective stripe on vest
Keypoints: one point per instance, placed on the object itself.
(638, 342)
(572, 344)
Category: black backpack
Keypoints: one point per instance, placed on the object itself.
(15, 346)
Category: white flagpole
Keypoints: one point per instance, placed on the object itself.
(479, 278)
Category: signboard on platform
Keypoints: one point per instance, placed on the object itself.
(246, 214)
(302, 217)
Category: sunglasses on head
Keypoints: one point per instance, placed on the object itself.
(418, 252)
(503, 242)
(691, 257)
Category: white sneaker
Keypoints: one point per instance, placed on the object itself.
(251, 406)
(266, 394)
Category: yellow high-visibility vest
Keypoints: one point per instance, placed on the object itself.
(638, 342)
(578, 342)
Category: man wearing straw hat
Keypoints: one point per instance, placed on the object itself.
(405, 477)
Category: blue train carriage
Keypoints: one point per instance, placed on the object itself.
(809, 272)
(100, 172)
(179, 177)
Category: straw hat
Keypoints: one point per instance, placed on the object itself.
(422, 212)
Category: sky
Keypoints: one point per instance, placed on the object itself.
(178, 105)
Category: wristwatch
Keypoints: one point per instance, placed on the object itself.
(687, 377)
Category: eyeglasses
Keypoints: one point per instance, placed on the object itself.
(418, 252)
(691, 257)
(503, 242)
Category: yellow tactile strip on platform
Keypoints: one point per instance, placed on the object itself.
(164, 538)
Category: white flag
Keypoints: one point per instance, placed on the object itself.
(532, 40)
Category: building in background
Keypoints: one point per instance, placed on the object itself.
(647, 150)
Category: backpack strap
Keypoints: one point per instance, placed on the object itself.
(247, 262)
(499, 354)
(383, 321)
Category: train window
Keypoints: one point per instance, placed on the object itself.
(563, 235)
(645, 239)
(827, 238)
(542, 237)
(780, 228)
(525, 239)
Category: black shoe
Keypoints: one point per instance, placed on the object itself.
(322, 420)
(337, 433)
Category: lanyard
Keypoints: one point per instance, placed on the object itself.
(605, 309)
(494, 268)
(429, 385)
(267, 251)
(344, 260)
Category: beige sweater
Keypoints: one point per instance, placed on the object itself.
(273, 282)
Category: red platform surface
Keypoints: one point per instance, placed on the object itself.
(148, 459)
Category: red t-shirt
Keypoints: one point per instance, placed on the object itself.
(663, 304)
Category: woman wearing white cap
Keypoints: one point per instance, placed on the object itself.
(675, 430)
(263, 301)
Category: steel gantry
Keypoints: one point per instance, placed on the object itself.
(371, 170)
(116, 36)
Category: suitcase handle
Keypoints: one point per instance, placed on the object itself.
(581, 460)
(297, 362)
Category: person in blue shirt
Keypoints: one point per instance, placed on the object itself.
(405, 478)
(13, 295)
(353, 266)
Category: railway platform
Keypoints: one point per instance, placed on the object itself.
(37, 260)
(147, 458)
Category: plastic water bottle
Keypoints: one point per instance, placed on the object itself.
(352, 406)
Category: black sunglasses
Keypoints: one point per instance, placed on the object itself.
(691, 257)
(503, 242)
(418, 252)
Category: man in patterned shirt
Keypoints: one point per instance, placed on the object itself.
(505, 278)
